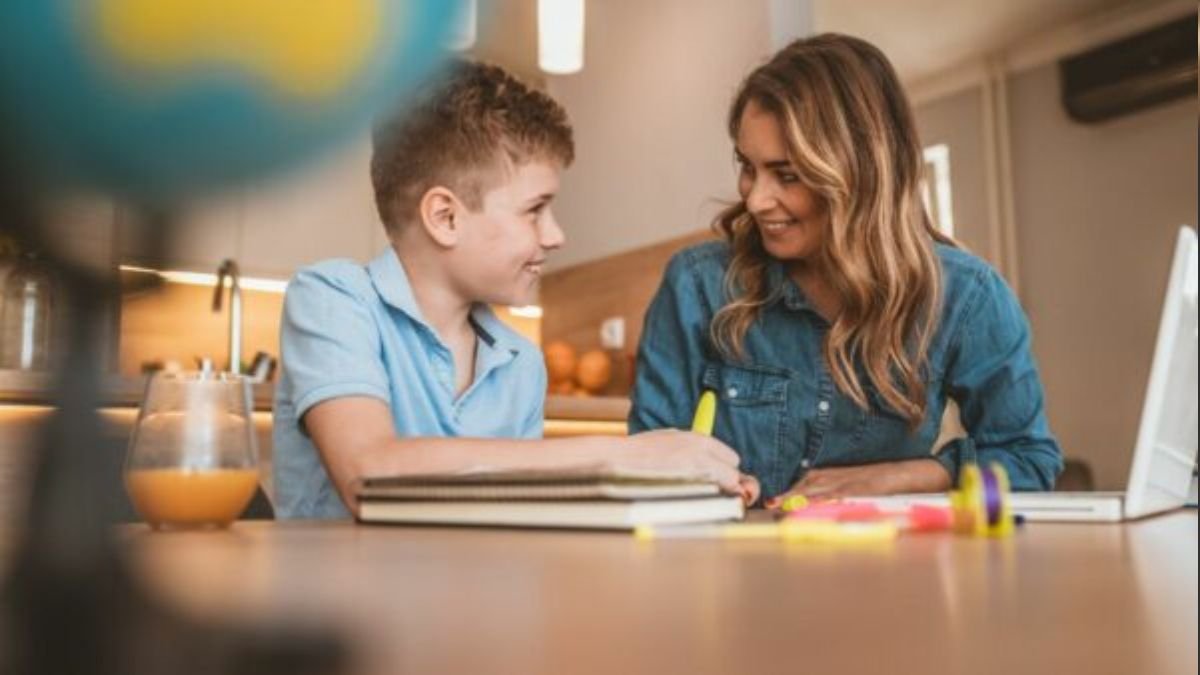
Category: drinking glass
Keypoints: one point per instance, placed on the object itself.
(193, 460)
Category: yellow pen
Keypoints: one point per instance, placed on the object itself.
(706, 413)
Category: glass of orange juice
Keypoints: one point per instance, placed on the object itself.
(192, 460)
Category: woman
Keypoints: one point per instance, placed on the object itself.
(834, 321)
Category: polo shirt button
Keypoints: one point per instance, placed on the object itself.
(823, 406)
(731, 392)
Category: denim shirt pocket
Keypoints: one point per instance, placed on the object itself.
(750, 412)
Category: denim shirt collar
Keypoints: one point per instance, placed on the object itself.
(391, 282)
(784, 289)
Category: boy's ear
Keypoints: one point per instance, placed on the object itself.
(441, 215)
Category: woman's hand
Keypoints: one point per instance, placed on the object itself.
(679, 454)
(885, 478)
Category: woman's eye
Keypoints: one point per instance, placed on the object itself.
(788, 177)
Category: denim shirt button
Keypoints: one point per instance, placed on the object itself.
(731, 392)
(804, 463)
(823, 406)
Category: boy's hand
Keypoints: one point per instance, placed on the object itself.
(679, 453)
(749, 489)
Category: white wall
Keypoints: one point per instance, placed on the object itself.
(648, 109)
(1097, 209)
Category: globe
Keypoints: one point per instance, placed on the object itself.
(155, 100)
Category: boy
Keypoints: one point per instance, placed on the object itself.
(399, 367)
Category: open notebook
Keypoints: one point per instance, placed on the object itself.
(591, 499)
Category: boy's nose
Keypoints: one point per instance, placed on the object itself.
(552, 235)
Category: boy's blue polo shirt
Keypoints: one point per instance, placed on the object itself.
(354, 330)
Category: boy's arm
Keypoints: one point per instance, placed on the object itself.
(355, 438)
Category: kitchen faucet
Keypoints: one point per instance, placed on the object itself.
(229, 269)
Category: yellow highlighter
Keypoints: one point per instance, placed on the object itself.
(706, 413)
(702, 423)
(709, 531)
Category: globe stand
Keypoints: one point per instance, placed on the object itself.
(69, 602)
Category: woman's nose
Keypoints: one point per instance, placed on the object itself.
(760, 199)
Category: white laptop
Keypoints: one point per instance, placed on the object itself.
(1165, 455)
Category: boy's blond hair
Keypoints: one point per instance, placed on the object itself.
(462, 133)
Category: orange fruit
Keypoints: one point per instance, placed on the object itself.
(560, 361)
(594, 370)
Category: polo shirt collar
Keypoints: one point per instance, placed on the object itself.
(391, 283)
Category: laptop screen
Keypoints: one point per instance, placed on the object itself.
(1166, 443)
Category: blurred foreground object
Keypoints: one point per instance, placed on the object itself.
(154, 102)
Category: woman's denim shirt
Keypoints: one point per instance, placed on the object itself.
(779, 407)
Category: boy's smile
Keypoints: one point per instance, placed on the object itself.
(534, 267)
(505, 243)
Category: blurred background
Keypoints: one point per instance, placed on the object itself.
(1060, 145)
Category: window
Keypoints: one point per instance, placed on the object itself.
(935, 188)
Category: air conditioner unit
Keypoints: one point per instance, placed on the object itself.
(1131, 74)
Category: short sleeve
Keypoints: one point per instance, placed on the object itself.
(330, 341)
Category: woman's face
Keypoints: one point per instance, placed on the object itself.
(791, 218)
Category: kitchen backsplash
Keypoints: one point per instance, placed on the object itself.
(578, 299)
(177, 323)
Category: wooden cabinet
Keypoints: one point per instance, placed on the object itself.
(322, 210)
(202, 234)
(80, 228)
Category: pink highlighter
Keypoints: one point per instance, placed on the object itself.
(915, 518)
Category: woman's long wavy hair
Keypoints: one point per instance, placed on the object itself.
(850, 133)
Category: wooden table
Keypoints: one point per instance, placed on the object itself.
(1053, 599)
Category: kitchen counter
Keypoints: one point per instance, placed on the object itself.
(34, 388)
(30, 388)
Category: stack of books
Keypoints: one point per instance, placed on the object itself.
(588, 500)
